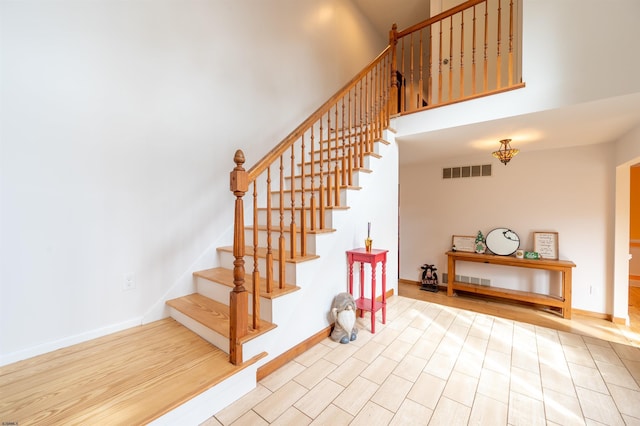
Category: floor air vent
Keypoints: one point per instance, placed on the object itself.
(466, 171)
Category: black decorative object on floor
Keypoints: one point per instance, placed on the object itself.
(429, 278)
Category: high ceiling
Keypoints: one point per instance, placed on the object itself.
(599, 122)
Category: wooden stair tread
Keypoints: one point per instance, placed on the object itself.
(262, 252)
(224, 276)
(214, 315)
(129, 377)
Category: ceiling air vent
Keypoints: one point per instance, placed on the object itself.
(466, 171)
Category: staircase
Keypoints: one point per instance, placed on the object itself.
(309, 198)
(207, 312)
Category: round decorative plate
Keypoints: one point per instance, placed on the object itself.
(502, 241)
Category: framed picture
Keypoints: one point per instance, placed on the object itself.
(546, 244)
(463, 243)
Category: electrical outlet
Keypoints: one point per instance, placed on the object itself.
(129, 282)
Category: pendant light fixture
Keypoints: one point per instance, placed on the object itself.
(505, 153)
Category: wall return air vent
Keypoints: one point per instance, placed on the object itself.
(466, 171)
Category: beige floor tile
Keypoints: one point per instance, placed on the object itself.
(579, 355)
(332, 416)
(571, 339)
(397, 350)
(410, 368)
(392, 392)
(340, 354)
(372, 415)
(278, 402)
(318, 398)
(348, 371)
(526, 383)
(313, 374)
(449, 412)
(599, 407)
(411, 413)
(440, 365)
(469, 363)
(596, 341)
(356, 395)
(525, 359)
(501, 338)
(627, 400)
(379, 370)
(282, 375)
(481, 327)
(232, 412)
(497, 361)
(626, 351)
(617, 375)
(557, 379)
(250, 419)
(292, 417)
(562, 409)
(488, 412)
(410, 335)
(525, 411)
(386, 336)
(461, 388)
(476, 345)
(588, 378)
(494, 385)
(630, 421)
(369, 352)
(604, 354)
(423, 348)
(427, 390)
(211, 421)
(634, 368)
(312, 355)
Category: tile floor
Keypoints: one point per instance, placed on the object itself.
(438, 365)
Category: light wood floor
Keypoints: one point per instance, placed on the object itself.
(139, 374)
(580, 324)
(131, 377)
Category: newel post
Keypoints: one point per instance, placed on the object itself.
(239, 298)
(394, 104)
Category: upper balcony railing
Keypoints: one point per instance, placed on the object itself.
(465, 52)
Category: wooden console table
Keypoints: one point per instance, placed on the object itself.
(363, 303)
(564, 266)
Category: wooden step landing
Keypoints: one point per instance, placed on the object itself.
(131, 377)
(262, 252)
(214, 315)
(224, 276)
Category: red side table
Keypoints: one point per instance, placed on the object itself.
(364, 304)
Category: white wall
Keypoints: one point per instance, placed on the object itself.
(120, 120)
(569, 191)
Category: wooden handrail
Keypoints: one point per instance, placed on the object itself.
(280, 149)
(439, 17)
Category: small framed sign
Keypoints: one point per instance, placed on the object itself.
(546, 244)
(463, 243)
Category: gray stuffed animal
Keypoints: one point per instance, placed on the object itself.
(343, 312)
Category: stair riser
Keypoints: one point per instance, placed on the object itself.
(226, 261)
(206, 333)
(275, 218)
(275, 236)
(221, 293)
(329, 165)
